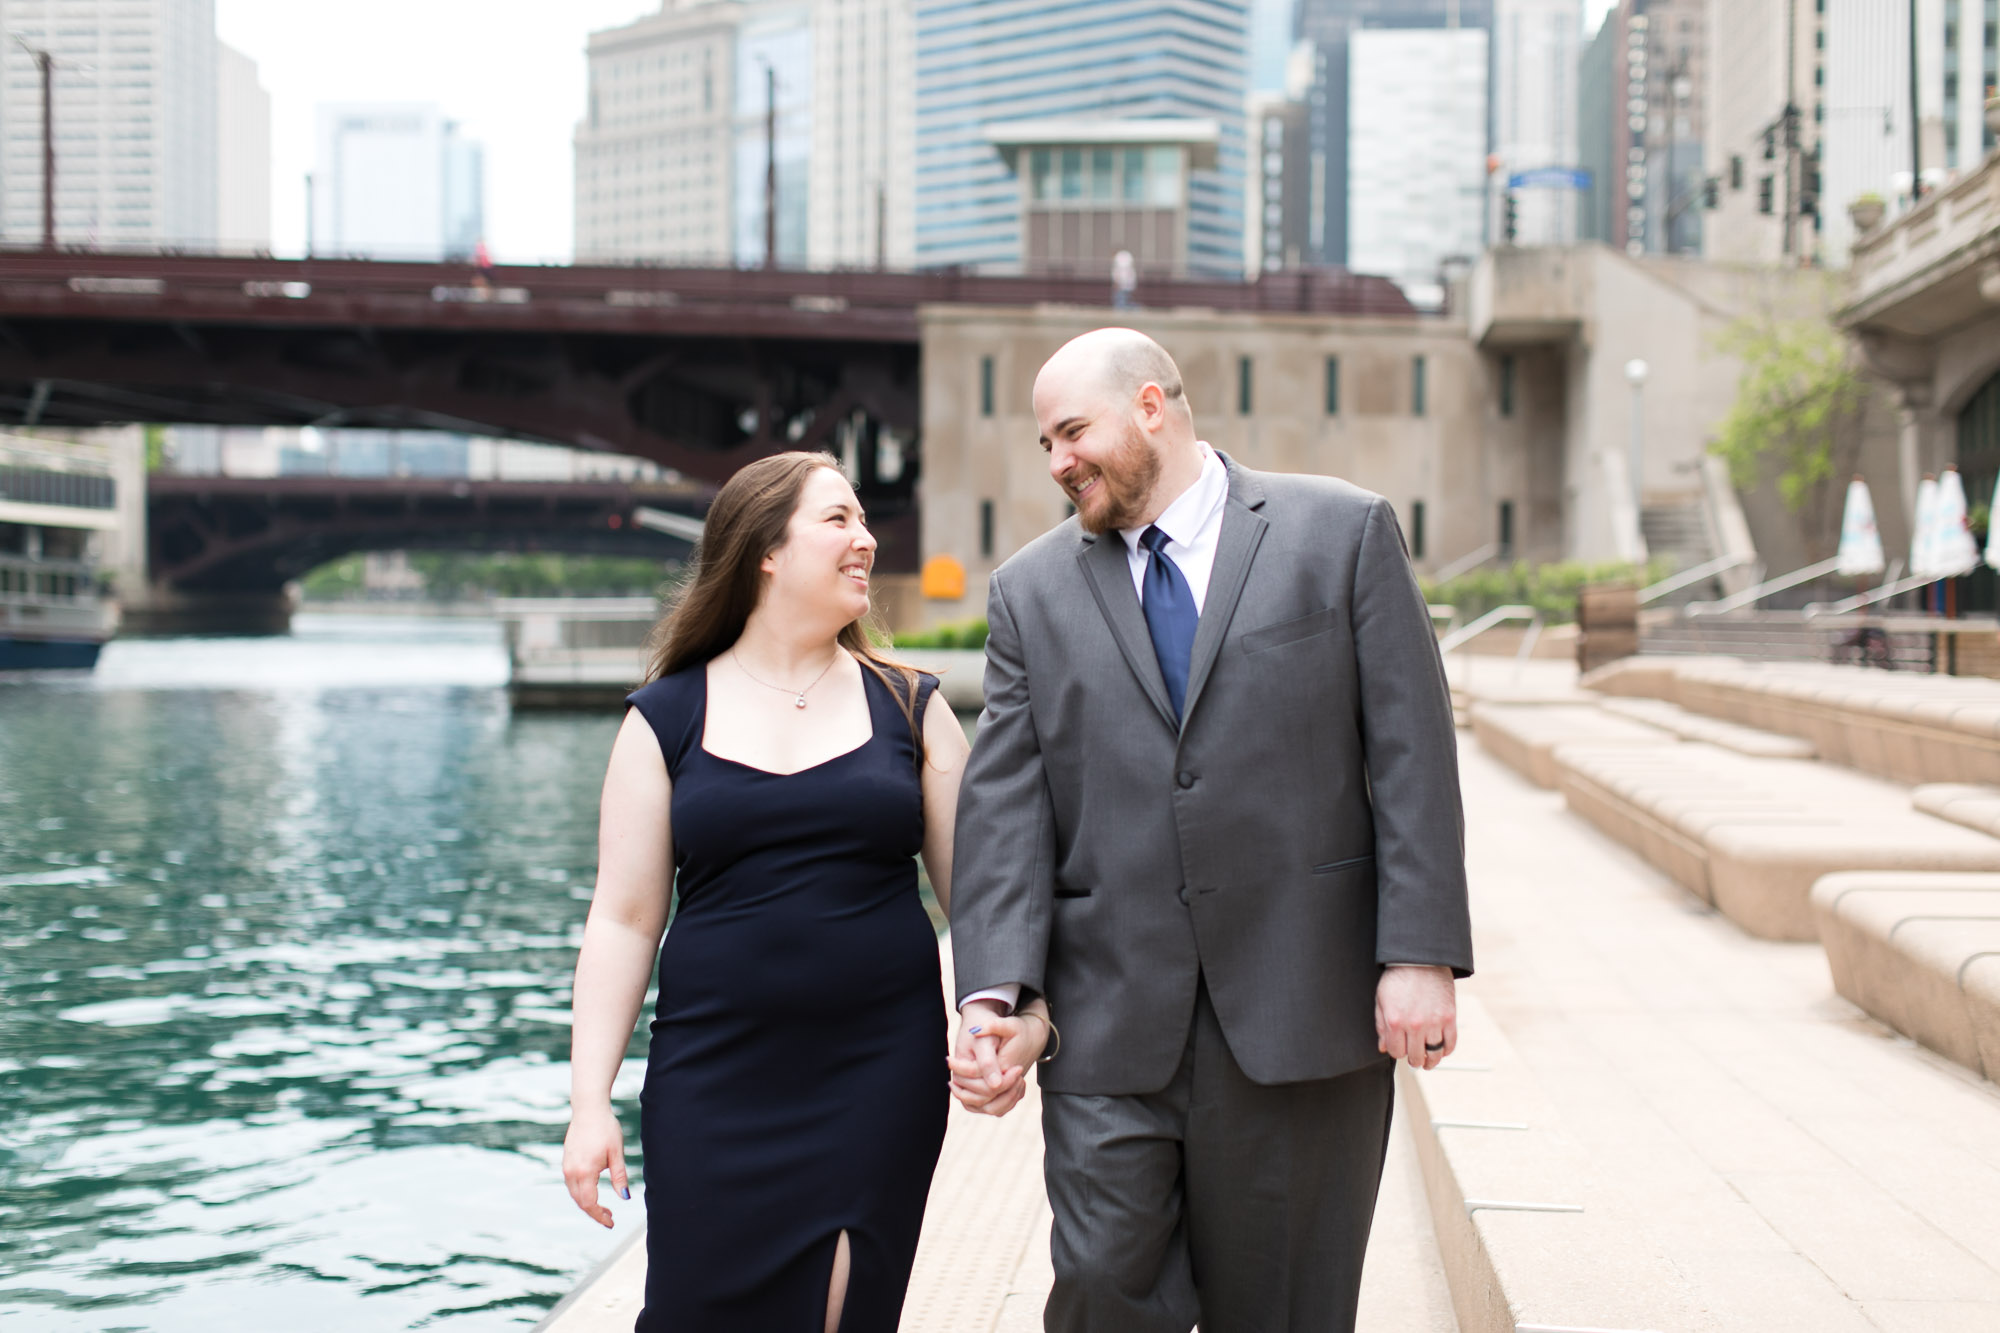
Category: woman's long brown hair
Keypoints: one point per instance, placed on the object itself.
(750, 519)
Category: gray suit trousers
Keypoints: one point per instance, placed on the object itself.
(1239, 1205)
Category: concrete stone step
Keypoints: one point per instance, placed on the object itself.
(1909, 728)
(1973, 804)
(1524, 736)
(1921, 952)
(1523, 1224)
(1695, 727)
(1750, 836)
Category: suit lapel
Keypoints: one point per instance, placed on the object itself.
(1110, 577)
(1242, 530)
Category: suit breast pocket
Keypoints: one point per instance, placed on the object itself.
(1290, 631)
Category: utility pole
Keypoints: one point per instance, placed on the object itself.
(770, 166)
(881, 226)
(46, 63)
(1916, 132)
(309, 215)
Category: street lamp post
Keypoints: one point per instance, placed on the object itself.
(1635, 375)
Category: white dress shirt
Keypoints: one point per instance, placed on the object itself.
(1193, 524)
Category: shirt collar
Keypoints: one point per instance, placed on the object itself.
(1183, 520)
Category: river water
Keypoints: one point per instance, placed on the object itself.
(286, 932)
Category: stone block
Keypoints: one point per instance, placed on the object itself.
(1752, 835)
(1917, 951)
(1524, 736)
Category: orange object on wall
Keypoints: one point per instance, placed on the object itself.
(943, 579)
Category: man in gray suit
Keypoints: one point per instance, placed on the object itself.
(1213, 815)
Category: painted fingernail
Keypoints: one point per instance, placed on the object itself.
(975, 1031)
(624, 1193)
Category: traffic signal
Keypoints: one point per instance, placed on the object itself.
(1711, 193)
(1763, 194)
(1507, 217)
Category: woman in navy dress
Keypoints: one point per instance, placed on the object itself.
(782, 775)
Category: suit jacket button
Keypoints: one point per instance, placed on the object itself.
(1186, 779)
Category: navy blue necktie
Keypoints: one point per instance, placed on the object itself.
(1170, 615)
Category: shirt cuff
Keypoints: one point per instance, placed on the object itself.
(1006, 996)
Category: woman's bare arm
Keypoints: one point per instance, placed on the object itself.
(628, 915)
(944, 763)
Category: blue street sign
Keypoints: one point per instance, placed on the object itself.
(1550, 178)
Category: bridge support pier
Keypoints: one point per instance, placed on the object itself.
(164, 612)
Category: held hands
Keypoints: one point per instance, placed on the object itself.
(1416, 1015)
(989, 1062)
(594, 1144)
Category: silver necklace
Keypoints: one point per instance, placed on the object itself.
(800, 700)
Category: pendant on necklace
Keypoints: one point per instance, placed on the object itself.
(801, 702)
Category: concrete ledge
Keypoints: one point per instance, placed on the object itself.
(1751, 836)
(1907, 727)
(1921, 952)
(1974, 805)
(1694, 727)
(961, 673)
(1524, 736)
(1528, 1239)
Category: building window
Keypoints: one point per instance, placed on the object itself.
(986, 529)
(1243, 399)
(1506, 386)
(1506, 528)
(1736, 171)
(1418, 389)
(1333, 386)
(1416, 529)
(985, 386)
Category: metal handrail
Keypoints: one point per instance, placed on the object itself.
(1498, 615)
(1448, 614)
(1708, 569)
(1895, 588)
(1757, 594)
(1470, 560)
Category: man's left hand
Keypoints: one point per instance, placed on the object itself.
(1416, 1014)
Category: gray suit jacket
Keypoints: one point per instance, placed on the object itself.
(1299, 829)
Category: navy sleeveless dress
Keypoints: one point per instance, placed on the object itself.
(796, 1084)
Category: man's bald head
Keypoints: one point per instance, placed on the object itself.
(1116, 364)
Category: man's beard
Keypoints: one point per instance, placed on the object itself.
(1125, 482)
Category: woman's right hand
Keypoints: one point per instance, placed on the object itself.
(595, 1144)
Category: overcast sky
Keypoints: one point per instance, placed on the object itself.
(511, 72)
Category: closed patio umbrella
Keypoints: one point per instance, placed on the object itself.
(1860, 552)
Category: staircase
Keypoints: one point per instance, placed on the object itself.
(1678, 533)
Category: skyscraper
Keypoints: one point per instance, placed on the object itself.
(672, 154)
(1074, 73)
(134, 121)
(394, 180)
(1765, 116)
(1417, 153)
(243, 154)
(1536, 44)
(655, 152)
(1867, 131)
(1329, 25)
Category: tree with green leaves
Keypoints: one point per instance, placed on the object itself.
(1797, 414)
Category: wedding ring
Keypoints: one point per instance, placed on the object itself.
(1433, 1049)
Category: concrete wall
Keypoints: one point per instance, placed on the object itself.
(1461, 458)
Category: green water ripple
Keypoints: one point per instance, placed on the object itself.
(283, 999)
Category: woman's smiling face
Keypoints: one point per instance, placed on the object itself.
(828, 550)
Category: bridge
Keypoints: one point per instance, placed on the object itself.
(699, 370)
(221, 549)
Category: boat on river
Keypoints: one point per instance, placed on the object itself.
(58, 500)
